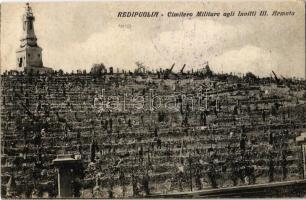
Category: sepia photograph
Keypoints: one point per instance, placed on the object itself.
(153, 99)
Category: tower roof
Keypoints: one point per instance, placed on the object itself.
(28, 36)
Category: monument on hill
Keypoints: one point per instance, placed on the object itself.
(29, 54)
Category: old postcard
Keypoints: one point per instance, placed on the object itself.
(145, 99)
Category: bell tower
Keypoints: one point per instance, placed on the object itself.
(29, 54)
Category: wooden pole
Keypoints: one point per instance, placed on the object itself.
(303, 160)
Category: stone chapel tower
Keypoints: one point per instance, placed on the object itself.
(29, 54)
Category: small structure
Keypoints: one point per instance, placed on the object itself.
(301, 140)
(65, 165)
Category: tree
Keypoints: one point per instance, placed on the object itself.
(206, 71)
(60, 72)
(98, 69)
(250, 77)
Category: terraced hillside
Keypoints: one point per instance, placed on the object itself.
(137, 134)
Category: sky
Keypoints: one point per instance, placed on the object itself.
(76, 35)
